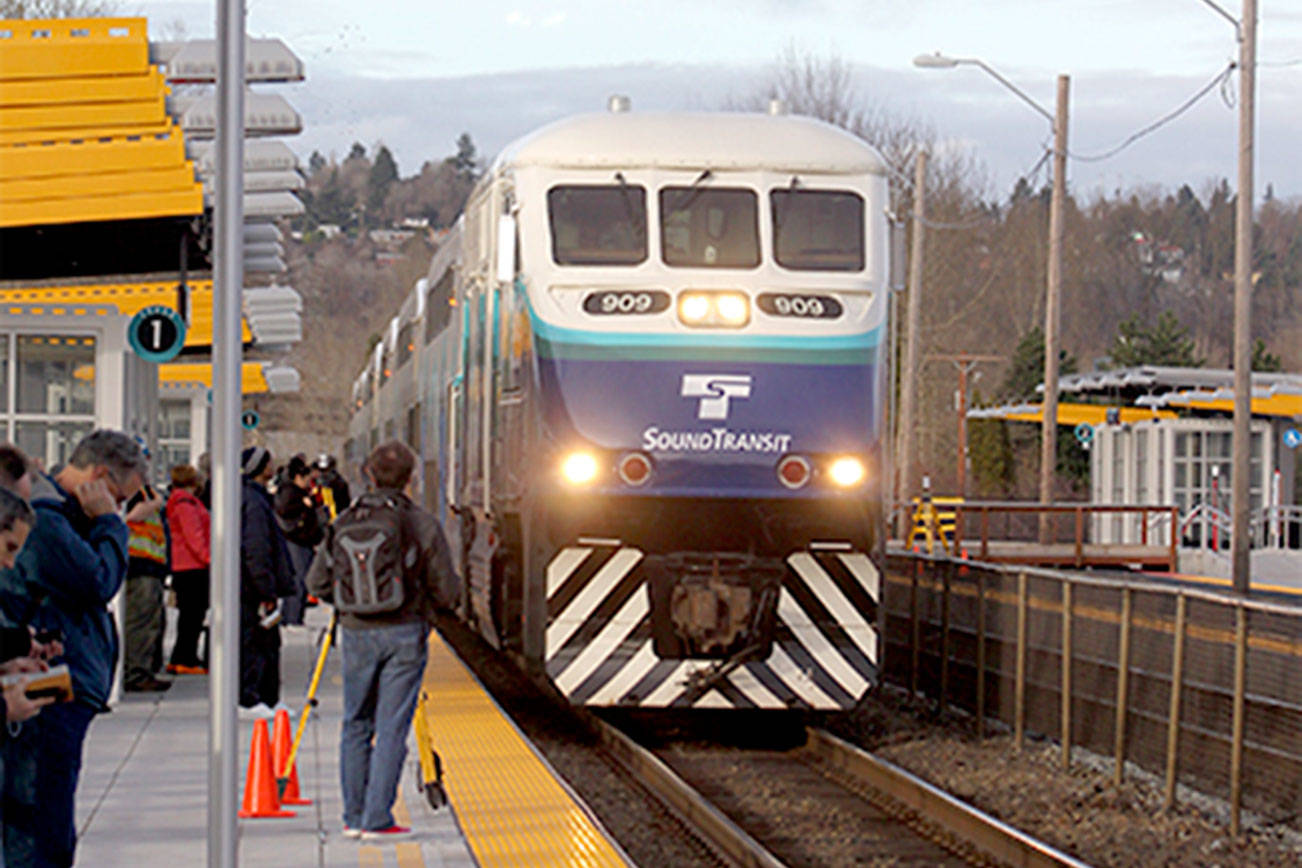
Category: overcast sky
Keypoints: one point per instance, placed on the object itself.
(416, 74)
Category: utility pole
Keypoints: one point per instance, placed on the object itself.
(224, 589)
(1049, 406)
(1241, 478)
(964, 362)
(913, 315)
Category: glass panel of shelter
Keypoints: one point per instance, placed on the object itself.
(49, 403)
(1203, 467)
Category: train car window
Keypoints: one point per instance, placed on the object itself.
(406, 343)
(706, 227)
(818, 230)
(438, 306)
(598, 225)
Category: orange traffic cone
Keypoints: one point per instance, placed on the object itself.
(281, 744)
(260, 784)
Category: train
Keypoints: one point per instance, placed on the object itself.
(645, 378)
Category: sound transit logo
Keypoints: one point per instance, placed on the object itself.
(715, 391)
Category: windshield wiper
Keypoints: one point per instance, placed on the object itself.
(626, 193)
(786, 203)
(688, 196)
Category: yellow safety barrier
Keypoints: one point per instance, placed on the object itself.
(933, 523)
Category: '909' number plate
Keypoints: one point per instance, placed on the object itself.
(626, 302)
(804, 306)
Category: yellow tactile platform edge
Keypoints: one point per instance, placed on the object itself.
(512, 809)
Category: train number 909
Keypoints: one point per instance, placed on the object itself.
(626, 302)
(804, 306)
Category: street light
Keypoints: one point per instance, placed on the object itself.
(1058, 123)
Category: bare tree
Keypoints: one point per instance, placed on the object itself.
(57, 8)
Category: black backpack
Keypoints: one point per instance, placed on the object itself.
(373, 555)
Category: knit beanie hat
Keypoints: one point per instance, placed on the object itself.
(253, 460)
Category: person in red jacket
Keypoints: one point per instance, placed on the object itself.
(189, 523)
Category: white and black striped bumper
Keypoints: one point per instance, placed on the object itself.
(599, 649)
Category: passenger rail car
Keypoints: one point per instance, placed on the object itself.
(645, 378)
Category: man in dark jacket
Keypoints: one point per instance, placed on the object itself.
(384, 653)
(265, 576)
(303, 533)
(73, 564)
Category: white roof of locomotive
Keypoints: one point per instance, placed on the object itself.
(694, 141)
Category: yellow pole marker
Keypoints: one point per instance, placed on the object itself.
(282, 776)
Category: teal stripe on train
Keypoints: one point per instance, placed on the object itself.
(559, 342)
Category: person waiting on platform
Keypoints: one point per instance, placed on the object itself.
(147, 569)
(73, 565)
(383, 641)
(189, 523)
(265, 576)
(303, 533)
(330, 487)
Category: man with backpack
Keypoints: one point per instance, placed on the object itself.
(385, 567)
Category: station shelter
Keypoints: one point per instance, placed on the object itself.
(1163, 435)
(103, 213)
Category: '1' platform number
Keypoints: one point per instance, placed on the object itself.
(156, 333)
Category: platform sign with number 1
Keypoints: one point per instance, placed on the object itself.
(156, 333)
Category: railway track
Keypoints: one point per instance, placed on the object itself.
(826, 803)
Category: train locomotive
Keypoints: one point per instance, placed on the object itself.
(644, 375)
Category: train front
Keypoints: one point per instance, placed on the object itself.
(708, 314)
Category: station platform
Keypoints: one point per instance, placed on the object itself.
(142, 798)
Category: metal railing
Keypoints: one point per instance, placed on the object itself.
(1081, 515)
(1200, 688)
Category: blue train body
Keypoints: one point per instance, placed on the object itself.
(645, 379)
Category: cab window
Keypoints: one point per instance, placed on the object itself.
(598, 224)
(704, 227)
(818, 230)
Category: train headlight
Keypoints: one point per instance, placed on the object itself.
(847, 472)
(714, 309)
(694, 308)
(579, 468)
(733, 308)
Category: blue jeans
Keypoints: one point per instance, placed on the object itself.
(383, 667)
(61, 734)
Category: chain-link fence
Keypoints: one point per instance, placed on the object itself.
(1201, 688)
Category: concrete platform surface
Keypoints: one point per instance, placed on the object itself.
(142, 798)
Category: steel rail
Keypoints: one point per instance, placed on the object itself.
(985, 834)
(725, 837)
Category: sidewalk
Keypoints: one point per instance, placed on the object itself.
(143, 793)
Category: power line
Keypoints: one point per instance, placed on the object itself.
(1220, 79)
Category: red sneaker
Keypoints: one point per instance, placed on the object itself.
(391, 833)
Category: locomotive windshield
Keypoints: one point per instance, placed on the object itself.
(709, 227)
(598, 225)
(818, 230)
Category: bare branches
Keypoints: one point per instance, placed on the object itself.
(58, 8)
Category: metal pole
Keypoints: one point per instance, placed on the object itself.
(1123, 689)
(912, 319)
(1240, 545)
(1019, 686)
(1065, 714)
(1049, 407)
(1236, 725)
(228, 273)
(1177, 685)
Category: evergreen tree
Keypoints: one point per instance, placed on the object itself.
(991, 452)
(1166, 342)
(384, 172)
(1263, 359)
(465, 161)
(316, 163)
(357, 151)
(1026, 371)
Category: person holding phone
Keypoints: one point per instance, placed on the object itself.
(147, 569)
